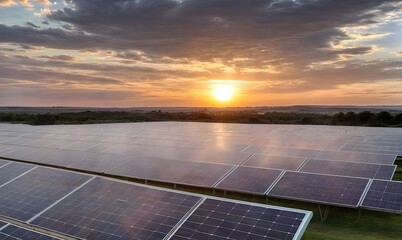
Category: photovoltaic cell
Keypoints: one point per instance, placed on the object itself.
(13, 170)
(277, 162)
(56, 157)
(18, 152)
(384, 196)
(334, 190)
(357, 157)
(285, 152)
(13, 232)
(249, 179)
(182, 172)
(218, 220)
(33, 192)
(3, 162)
(2, 224)
(104, 209)
(99, 162)
(352, 169)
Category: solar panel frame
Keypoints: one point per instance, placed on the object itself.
(296, 188)
(199, 174)
(13, 170)
(366, 157)
(350, 169)
(274, 162)
(379, 191)
(246, 209)
(249, 180)
(100, 162)
(282, 151)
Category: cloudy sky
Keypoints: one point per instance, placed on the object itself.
(176, 52)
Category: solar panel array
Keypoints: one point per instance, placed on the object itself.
(87, 207)
(256, 159)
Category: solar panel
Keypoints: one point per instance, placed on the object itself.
(100, 147)
(182, 154)
(326, 189)
(12, 232)
(384, 196)
(33, 192)
(5, 147)
(99, 162)
(217, 219)
(285, 152)
(173, 171)
(162, 142)
(104, 209)
(217, 145)
(79, 146)
(250, 180)
(13, 170)
(3, 162)
(2, 224)
(349, 169)
(357, 157)
(278, 162)
(18, 152)
(59, 157)
(21, 141)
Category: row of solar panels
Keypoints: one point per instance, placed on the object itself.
(87, 207)
(324, 188)
(198, 153)
(229, 141)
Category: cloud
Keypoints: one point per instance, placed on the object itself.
(281, 46)
(32, 25)
(24, 3)
(61, 57)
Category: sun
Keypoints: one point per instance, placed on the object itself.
(223, 93)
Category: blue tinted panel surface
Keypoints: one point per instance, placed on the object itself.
(13, 170)
(248, 179)
(3, 162)
(2, 224)
(33, 192)
(183, 172)
(336, 190)
(349, 169)
(384, 195)
(215, 219)
(357, 157)
(114, 210)
(278, 162)
(12, 232)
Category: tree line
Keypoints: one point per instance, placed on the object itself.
(365, 118)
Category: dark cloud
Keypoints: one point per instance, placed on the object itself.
(61, 57)
(30, 24)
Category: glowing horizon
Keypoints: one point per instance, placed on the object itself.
(127, 53)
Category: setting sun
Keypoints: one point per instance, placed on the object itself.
(223, 93)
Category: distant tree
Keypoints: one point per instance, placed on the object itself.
(384, 117)
(350, 118)
(44, 119)
(398, 119)
(364, 117)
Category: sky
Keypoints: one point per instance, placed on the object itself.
(200, 53)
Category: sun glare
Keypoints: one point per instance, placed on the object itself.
(223, 93)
